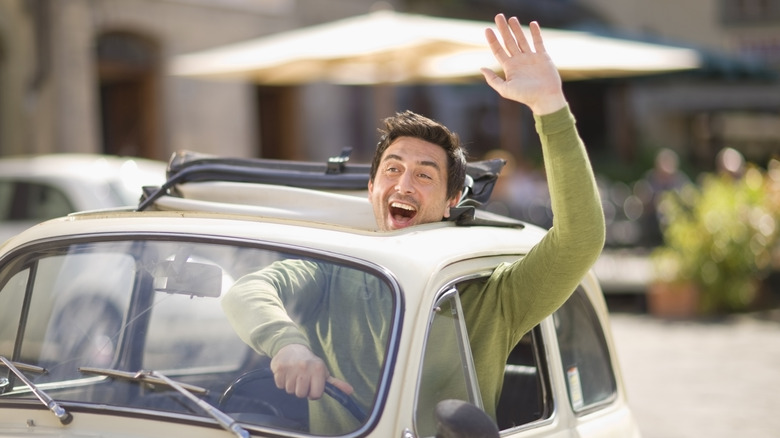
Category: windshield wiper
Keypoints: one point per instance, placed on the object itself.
(139, 376)
(226, 421)
(64, 416)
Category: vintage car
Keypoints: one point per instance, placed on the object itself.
(111, 323)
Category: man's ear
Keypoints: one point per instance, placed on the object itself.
(451, 203)
(370, 187)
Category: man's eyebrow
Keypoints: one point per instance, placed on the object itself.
(433, 164)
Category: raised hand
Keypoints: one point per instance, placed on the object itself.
(530, 76)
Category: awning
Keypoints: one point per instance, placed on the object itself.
(387, 47)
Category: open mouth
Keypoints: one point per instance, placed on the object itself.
(402, 212)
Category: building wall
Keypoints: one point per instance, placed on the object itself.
(19, 94)
(738, 27)
(50, 100)
(49, 95)
(670, 112)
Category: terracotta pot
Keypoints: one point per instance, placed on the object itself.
(673, 300)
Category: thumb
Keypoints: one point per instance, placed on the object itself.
(495, 81)
(341, 384)
(491, 77)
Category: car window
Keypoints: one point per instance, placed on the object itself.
(11, 299)
(524, 396)
(447, 370)
(6, 199)
(155, 304)
(28, 201)
(587, 367)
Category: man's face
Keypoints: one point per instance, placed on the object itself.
(410, 186)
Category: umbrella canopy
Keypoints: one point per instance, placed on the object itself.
(387, 47)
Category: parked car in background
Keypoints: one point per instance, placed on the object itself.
(166, 362)
(37, 188)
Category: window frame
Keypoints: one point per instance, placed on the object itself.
(545, 391)
(447, 293)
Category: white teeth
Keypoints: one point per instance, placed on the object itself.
(403, 206)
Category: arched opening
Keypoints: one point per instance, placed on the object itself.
(127, 67)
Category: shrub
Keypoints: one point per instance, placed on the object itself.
(720, 236)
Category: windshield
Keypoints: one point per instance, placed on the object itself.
(101, 317)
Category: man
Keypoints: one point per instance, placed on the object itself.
(416, 177)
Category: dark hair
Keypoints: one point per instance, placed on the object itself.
(410, 124)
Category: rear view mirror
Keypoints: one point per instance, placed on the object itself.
(188, 278)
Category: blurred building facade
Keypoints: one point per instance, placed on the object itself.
(735, 102)
(90, 76)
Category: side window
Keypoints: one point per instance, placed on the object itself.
(59, 334)
(43, 201)
(447, 367)
(11, 299)
(586, 362)
(6, 196)
(524, 397)
(23, 201)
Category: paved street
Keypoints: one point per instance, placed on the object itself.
(692, 379)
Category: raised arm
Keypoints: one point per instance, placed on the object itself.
(546, 277)
(523, 293)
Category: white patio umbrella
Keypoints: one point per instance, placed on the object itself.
(387, 47)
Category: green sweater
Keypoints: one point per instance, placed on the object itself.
(498, 310)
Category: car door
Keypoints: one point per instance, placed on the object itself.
(559, 379)
(526, 404)
(447, 367)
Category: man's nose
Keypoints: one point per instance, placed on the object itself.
(405, 184)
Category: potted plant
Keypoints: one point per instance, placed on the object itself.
(718, 238)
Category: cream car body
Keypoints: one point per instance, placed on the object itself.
(564, 380)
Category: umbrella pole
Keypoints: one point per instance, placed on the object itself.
(511, 127)
(385, 100)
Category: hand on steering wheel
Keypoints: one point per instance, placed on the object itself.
(265, 373)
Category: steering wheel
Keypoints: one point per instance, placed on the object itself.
(347, 401)
(265, 373)
(265, 407)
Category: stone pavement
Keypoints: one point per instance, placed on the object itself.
(692, 379)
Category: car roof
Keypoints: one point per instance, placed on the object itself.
(337, 175)
(75, 165)
(301, 204)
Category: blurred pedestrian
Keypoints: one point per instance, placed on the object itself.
(730, 163)
(665, 176)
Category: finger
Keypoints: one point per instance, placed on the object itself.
(317, 387)
(290, 384)
(509, 40)
(493, 80)
(280, 381)
(341, 384)
(495, 46)
(303, 387)
(490, 75)
(536, 35)
(519, 35)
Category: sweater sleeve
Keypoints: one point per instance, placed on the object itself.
(538, 284)
(262, 306)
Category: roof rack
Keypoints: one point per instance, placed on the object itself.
(335, 174)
